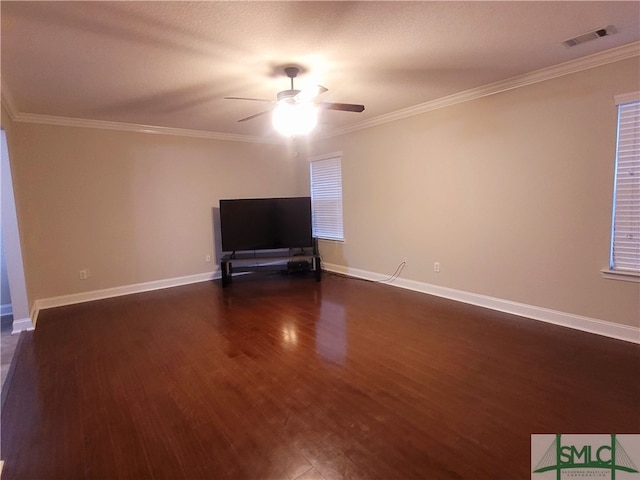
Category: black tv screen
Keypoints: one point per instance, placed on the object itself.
(265, 223)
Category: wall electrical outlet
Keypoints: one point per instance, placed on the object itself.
(436, 267)
(84, 274)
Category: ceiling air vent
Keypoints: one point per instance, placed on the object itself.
(593, 35)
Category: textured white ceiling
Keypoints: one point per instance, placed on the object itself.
(170, 64)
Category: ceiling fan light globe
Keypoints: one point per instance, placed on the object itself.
(294, 119)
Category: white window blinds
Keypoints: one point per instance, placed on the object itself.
(625, 250)
(326, 198)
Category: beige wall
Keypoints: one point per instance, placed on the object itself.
(511, 193)
(129, 207)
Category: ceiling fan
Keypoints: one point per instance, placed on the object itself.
(300, 97)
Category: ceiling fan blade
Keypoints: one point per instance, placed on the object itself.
(345, 107)
(254, 116)
(252, 99)
(309, 93)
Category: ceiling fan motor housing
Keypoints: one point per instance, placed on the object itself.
(292, 71)
(291, 97)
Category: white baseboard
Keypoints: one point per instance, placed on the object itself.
(5, 310)
(22, 325)
(570, 320)
(578, 322)
(60, 301)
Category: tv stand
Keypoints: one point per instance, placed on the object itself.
(274, 261)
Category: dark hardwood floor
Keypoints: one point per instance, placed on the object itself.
(287, 378)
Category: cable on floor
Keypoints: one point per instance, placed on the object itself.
(395, 275)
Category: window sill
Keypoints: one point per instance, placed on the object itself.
(332, 240)
(624, 275)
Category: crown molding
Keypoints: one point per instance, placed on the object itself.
(9, 104)
(598, 59)
(137, 128)
(573, 66)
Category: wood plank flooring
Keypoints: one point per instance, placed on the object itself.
(286, 378)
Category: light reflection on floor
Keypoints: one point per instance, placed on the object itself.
(331, 333)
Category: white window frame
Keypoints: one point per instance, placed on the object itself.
(626, 266)
(325, 176)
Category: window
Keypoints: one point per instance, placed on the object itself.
(326, 198)
(625, 235)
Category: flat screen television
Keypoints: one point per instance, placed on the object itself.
(265, 223)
